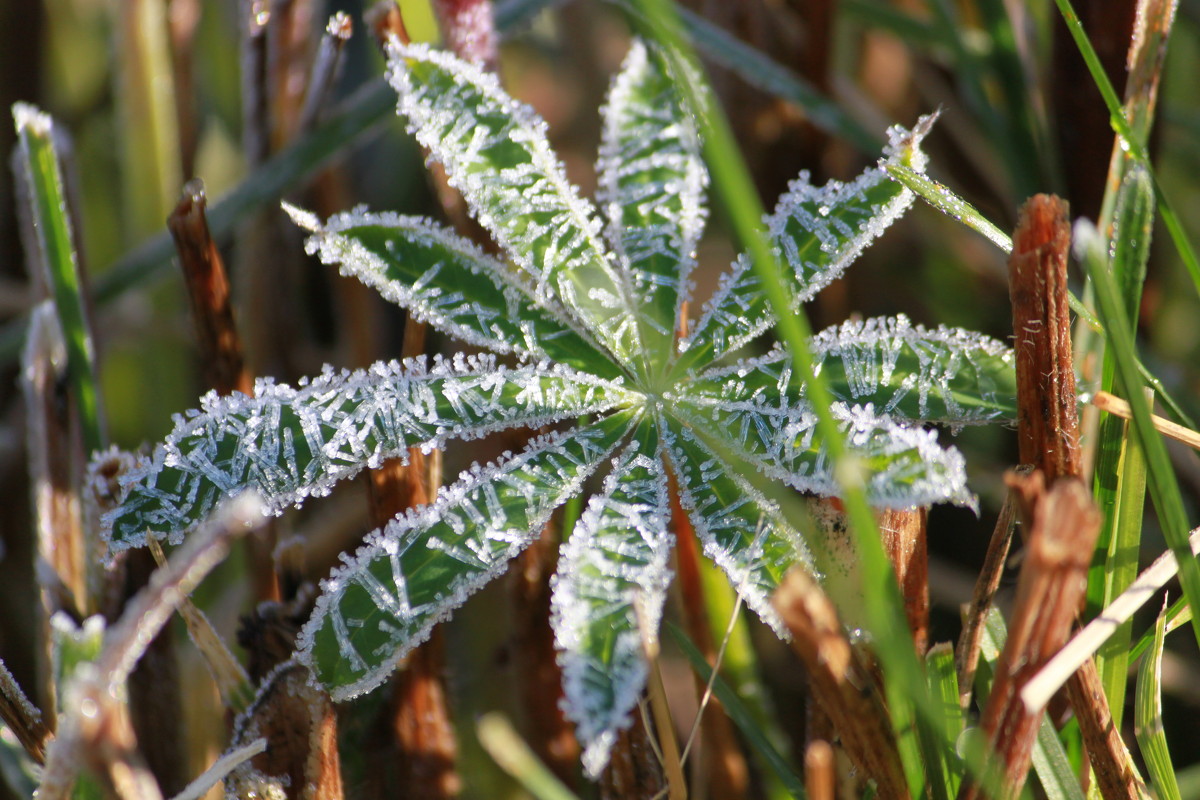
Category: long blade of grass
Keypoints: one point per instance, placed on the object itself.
(48, 207)
(741, 715)
(903, 675)
(1148, 723)
(1164, 488)
(510, 751)
(1135, 143)
(945, 772)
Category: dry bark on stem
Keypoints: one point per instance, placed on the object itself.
(904, 542)
(1047, 419)
(1064, 524)
(843, 686)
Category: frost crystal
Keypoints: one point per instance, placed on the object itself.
(590, 312)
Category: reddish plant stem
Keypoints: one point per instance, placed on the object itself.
(904, 542)
(722, 765)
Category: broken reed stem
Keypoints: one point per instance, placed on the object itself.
(903, 534)
(840, 683)
(1048, 434)
(1120, 408)
(966, 655)
(1064, 524)
(1047, 421)
(820, 774)
(219, 343)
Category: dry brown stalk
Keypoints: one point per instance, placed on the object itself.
(966, 655)
(633, 769)
(843, 686)
(22, 717)
(904, 543)
(1120, 408)
(820, 777)
(1048, 433)
(1047, 421)
(1063, 526)
(299, 723)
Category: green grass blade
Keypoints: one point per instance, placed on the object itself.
(945, 771)
(1136, 143)
(740, 714)
(903, 674)
(1164, 489)
(514, 756)
(56, 251)
(1148, 723)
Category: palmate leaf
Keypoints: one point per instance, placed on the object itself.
(448, 282)
(413, 573)
(495, 152)
(652, 182)
(608, 595)
(946, 375)
(289, 443)
(816, 232)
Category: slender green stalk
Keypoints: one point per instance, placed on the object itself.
(945, 770)
(48, 207)
(902, 673)
(1135, 144)
(502, 742)
(1164, 488)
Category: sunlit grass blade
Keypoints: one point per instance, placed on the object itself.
(1148, 721)
(904, 680)
(945, 771)
(1135, 142)
(1164, 488)
(740, 714)
(42, 179)
(515, 757)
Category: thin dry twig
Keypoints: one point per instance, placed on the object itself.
(843, 686)
(966, 654)
(1120, 408)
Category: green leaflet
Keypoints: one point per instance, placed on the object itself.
(495, 152)
(1148, 723)
(290, 443)
(608, 595)
(652, 181)
(947, 375)
(413, 573)
(816, 232)
(448, 282)
(739, 528)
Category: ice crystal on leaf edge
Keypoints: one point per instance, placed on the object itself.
(588, 302)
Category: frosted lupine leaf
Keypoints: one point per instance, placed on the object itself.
(903, 467)
(608, 594)
(908, 372)
(288, 443)
(417, 570)
(495, 152)
(450, 283)
(739, 529)
(652, 180)
(816, 233)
